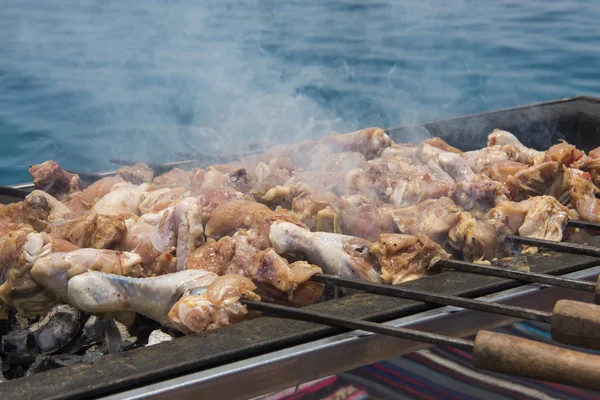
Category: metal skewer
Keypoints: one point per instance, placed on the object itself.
(577, 223)
(445, 300)
(532, 277)
(357, 324)
(491, 351)
(13, 192)
(559, 246)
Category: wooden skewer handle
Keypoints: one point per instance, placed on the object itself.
(526, 358)
(576, 324)
(597, 292)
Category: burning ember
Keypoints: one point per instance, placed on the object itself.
(135, 259)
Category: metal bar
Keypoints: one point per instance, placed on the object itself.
(357, 324)
(583, 224)
(532, 277)
(13, 192)
(157, 168)
(558, 246)
(446, 300)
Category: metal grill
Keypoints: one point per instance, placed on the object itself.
(271, 352)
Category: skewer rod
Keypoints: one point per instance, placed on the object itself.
(559, 246)
(577, 223)
(446, 300)
(357, 324)
(532, 277)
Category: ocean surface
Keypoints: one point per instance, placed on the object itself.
(83, 82)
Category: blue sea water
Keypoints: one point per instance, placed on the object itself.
(83, 82)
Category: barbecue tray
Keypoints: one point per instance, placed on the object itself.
(269, 353)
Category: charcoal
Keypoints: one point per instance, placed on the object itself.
(57, 328)
(93, 333)
(15, 373)
(2, 378)
(157, 337)
(113, 342)
(45, 362)
(19, 348)
(92, 354)
(4, 320)
(130, 343)
(142, 328)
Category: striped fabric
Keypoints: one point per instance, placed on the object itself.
(435, 373)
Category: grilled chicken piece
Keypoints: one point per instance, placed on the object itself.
(405, 258)
(481, 159)
(189, 301)
(157, 202)
(399, 151)
(500, 170)
(229, 217)
(363, 218)
(219, 306)
(444, 222)
(476, 239)
(370, 142)
(583, 194)
(97, 231)
(442, 145)
(180, 229)
(178, 178)
(309, 205)
(305, 294)
(34, 210)
(123, 198)
(233, 175)
(82, 202)
(19, 250)
(407, 184)
(266, 268)
(565, 184)
(433, 218)
(50, 178)
(548, 178)
(282, 195)
(407, 192)
(214, 256)
(53, 271)
(341, 255)
(211, 198)
(523, 155)
(342, 169)
(591, 164)
(137, 174)
(260, 265)
(269, 174)
(472, 191)
(565, 153)
(541, 217)
(480, 194)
